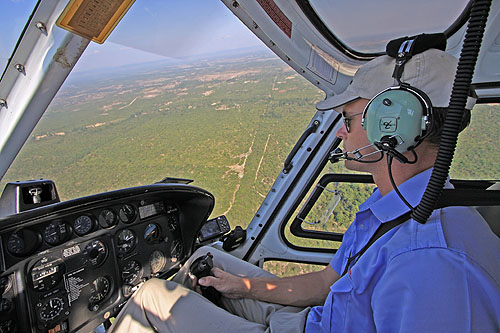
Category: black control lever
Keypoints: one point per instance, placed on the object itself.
(233, 239)
(288, 162)
(202, 267)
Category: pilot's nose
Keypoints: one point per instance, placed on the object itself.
(342, 132)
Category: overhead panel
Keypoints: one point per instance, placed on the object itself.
(93, 19)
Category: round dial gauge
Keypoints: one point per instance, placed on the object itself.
(126, 241)
(47, 273)
(95, 252)
(127, 213)
(107, 218)
(56, 232)
(23, 242)
(132, 272)
(99, 290)
(158, 261)
(152, 233)
(52, 309)
(83, 225)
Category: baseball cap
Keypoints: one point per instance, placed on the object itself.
(432, 71)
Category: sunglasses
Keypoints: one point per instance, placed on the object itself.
(347, 120)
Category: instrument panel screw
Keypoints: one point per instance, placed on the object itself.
(235, 4)
(41, 27)
(3, 103)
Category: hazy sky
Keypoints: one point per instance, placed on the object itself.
(158, 29)
(151, 30)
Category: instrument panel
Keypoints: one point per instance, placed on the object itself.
(72, 265)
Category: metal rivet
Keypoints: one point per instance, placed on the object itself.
(41, 27)
(20, 68)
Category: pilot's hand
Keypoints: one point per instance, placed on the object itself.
(195, 286)
(229, 285)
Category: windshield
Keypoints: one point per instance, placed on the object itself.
(15, 15)
(184, 92)
(373, 28)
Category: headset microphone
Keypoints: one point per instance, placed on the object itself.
(337, 154)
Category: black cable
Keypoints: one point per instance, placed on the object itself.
(451, 127)
(414, 155)
(389, 165)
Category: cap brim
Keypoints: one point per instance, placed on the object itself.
(335, 101)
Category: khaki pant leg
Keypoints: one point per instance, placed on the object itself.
(166, 306)
(170, 307)
(252, 310)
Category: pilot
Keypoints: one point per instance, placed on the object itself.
(441, 276)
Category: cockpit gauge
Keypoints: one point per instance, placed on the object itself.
(158, 261)
(107, 218)
(176, 250)
(51, 309)
(84, 224)
(47, 273)
(95, 252)
(132, 272)
(56, 232)
(125, 241)
(99, 290)
(23, 242)
(127, 213)
(172, 221)
(152, 233)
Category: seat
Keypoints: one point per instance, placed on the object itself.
(491, 213)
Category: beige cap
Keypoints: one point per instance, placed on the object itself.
(432, 71)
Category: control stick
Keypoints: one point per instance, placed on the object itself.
(202, 267)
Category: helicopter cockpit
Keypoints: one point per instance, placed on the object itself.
(100, 101)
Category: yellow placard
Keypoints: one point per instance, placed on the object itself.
(93, 19)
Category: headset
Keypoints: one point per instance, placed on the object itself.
(398, 118)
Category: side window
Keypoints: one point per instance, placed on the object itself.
(328, 210)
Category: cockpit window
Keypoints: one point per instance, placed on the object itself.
(369, 32)
(17, 12)
(183, 92)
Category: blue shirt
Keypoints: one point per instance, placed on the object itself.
(441, 276)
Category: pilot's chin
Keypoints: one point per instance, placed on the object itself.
(350, 165)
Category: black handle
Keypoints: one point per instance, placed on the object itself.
(311, 129)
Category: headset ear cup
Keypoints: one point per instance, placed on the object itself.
(397, 113)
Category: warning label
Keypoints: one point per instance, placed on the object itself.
(74, 284)
(277, 16)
